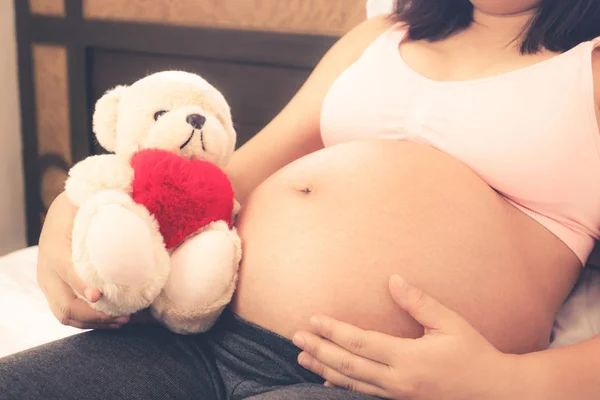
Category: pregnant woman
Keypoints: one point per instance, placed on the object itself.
(458, 148)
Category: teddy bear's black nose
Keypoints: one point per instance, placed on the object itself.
(196, 120)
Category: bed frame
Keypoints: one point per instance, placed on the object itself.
(64, 57)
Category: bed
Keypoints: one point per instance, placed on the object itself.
(100, 58)
(25, 319)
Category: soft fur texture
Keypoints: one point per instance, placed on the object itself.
(173, 308)
(98, 173)
(154, 228)
(104, 121)
(125, 246)
(129, 117)
(183, 195)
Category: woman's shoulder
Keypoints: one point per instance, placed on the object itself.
(376, 25)
(349, 48)
(356, 41)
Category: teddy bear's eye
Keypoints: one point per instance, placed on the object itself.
(159, 114)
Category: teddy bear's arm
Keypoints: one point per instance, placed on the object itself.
(97, 173)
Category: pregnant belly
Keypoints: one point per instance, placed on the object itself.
(324, 234)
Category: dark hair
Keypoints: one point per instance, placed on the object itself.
(558, 25)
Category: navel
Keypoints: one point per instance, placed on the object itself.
(304, 188)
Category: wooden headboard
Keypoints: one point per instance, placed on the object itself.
(257, 52)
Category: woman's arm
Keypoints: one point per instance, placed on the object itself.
(571, 372)
(295, 132)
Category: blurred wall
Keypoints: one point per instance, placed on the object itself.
(12, 205)
(328, 17)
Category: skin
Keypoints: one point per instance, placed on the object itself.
(299, 120)
(452, 360)
(388, 367)
(56, 276)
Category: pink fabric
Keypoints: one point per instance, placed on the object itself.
(531, 134)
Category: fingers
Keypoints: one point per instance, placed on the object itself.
(92, 295)
(71, 310)
(68, 308)
(372, 345)
(335, 378)
(79, 315)
(57, 277)
(67, 274)
(82, 312)
(55, 246)
(422, 307)
(339, 359)
(65, 271)
(80, 325)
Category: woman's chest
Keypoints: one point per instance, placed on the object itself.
(519, 136)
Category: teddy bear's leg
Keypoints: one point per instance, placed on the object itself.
(202, 280)
(118, 249)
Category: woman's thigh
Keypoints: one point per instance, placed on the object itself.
(139, 362)
(310, 391)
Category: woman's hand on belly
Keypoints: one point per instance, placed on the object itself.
(451, 361)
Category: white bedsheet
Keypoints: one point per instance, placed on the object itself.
(579, 317)
(25, 318)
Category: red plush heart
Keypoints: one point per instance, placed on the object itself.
(183, 195)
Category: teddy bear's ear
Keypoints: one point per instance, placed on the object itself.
(105, 118)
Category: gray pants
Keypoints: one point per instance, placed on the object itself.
(235, 360)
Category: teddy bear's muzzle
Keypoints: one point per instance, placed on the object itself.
(189, 140)
(197, 121)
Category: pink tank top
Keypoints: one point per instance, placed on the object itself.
(530, 134)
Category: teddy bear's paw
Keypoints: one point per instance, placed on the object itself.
(202, 280)
(185, 322)
(118, 249)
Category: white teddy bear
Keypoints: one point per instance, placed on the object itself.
(155, 221)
